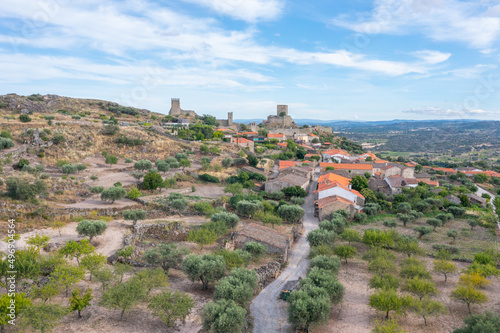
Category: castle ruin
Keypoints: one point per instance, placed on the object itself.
(227, 123)
(281, 119)
(175, 109)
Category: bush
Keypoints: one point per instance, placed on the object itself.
(248, 208)
(255, 249)
(22, 189)
(230, 220)
(208, 178)
(422, 231)
(226, 162)
(308, 307)
(58, 139)
(96, 189)
(294, 191)
(24, 118)
(360, 217)
(331, 264)
(110, 130)
(326, 280)
(412, 267)
(480, 323)
(384, 281)
(152, 181)
(6, 143)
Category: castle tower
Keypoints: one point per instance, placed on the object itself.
(175, 108)
(229, 119)
(281, 109)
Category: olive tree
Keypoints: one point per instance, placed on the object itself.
(166, 255)
(170, 306)
(291, 213)
(124, 296)
(91, 228)
(134, 215)
(207, 268)
(223, 316)
(113, 193)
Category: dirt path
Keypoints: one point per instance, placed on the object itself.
(269, 312)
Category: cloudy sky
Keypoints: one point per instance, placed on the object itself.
(326, 59)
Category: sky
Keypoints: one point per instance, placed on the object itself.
(325, 59)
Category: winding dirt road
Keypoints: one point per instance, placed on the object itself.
(268, 311)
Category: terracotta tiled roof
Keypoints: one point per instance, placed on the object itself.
(282, 144)
(431, 183)
(276, 136)
(286, 164)
(250, 133)
(329, 200)
(446, 170)
(326, 186)
(240, 140)
(347, 166)
(333, 177)
(411, 181)
(307, 156)
(336, 152)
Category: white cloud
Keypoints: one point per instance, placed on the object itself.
(140, 26)
(441, 20)
(246, 10)
(451, 113)
(432, 57)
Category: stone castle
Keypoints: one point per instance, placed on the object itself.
(175, 109)
(281, 119)
(227, 123)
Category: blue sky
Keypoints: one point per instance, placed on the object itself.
(326, 59)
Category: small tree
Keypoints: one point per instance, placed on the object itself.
(104, 276)
(351, 235)
(162, 166)
(39, 241)
(308, 307)
(249, 208)
(384, 281)
(319, 236)
(21, 303)
(185, 163)
(232, 288)
(166, 255)
(444, 267)
(207, 268)
(387, 301)
(345, 251)
(223, 316)
(58, 225)
(152, 181)
(452, 234)
(142, 165)
(134, 215)
(93, 262)
(326, 280)
(75, 249)
(113, 193)
(226, 162)
(67, 276)
(202, 237)
(110, 159)
(420, 287)
(134, 193)
(359, 182)
(152, 279)
(78, 302)
(234, 189)
(252, 160)
(422, 231)
(426, 307)
(434, 223)
(121, 269)
(91, 228)
(43, 317)
(469, 295)
(124, 296)
(171, 306)
(472, 224)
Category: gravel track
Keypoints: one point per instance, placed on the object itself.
(268, 311)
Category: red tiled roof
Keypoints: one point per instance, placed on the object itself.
(329, 200)
(336, 152)
(240, 140)
(276, 135)
(432, 183)
(250, 133)
(286, 164)
(334, 178)
(347, 166)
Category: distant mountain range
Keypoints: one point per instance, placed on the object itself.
(345, 124)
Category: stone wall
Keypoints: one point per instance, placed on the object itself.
(268, 273)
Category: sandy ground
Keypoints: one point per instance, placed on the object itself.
(354, 315)
(107, 243)
(95, 202)
(97, 319)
